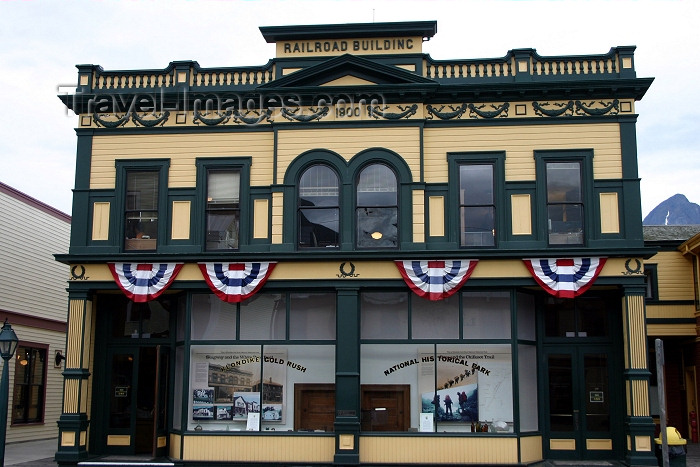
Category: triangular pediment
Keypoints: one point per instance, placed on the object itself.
(349, 70)
(349, 80)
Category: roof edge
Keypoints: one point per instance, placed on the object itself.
(349, 30)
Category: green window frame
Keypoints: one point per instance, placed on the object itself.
(222, 186)
(477, 183)
(143, 185)
(565, 190)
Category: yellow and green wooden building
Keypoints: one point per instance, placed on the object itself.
(356, 254)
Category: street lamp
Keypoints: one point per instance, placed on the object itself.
(8, 345)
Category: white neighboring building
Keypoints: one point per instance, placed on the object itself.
(33, 298)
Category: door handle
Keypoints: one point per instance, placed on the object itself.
(576, 413)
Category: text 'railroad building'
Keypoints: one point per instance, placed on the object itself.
(357, 254)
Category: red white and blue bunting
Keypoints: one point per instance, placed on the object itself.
(436, 279)
(142, 282)
(565, 277)
(234, 282)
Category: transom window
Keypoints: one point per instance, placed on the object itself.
(223, 209)
(564, 203)
(377, 207)
(477, 208)
(141, 210)
(319, 208)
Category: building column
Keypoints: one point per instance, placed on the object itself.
(639, 426)
(73, 422)
(347, 379)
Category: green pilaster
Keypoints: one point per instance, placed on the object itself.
(639, 426)
(347, 378)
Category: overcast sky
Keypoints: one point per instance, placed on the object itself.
(42, 41)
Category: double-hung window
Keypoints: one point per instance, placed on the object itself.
(477, 207)
(377, 207)
(564, 202)
(223, 209)
(476, 193)
(319, 208)
(141, 209)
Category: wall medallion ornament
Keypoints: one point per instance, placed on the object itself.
(633, 266)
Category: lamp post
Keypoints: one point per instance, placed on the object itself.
(8, 345)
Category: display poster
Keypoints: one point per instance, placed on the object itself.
(231, 385)
(469, 386)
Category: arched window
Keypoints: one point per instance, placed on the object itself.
(377, 207)
(319, 208)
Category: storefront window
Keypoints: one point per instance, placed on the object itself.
(312, 316)
(384, 315)
(438, 319)
(264, 317)
(486, 315)
(212, 318)
(443, 387)
(253, 387)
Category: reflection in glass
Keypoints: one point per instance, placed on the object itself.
(319, 211)
(437, 319)
(477, 207)
(223, 209)
(384, 315)
(141, 210)
(564, 203)
(263, 316)
(312, 316)
(561, 396)
(377, 208)
(486, 315)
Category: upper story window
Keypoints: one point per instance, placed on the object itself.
(476, 192)
(141, 209)
(564, 203)
(477, 207)
(377, 207)
(319, 208)
(223, 188)
(223, 209)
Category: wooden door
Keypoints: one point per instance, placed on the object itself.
(314, 406)
(386, 407)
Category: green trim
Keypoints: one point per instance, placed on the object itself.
(497, 160)
(199, 216)
(160, 166)
(349, 30)
(651, 275)
(583, 156)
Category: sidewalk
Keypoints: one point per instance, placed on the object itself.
(32, 453)
(40, 454)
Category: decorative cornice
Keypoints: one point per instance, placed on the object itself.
(499, 111)
(406, 111)
(456, 112)
(316, 115)
(99, 120)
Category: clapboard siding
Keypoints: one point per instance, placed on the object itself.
(31, 281)
(674, 275)
(181, 150)
(405, 141)
(519, 144)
